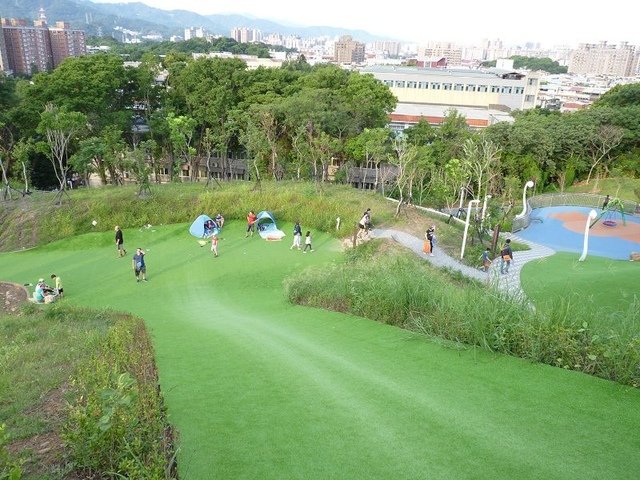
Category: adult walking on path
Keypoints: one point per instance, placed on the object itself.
(430, 236)
(364, 224)
(120, 242)
(507, 283)
(506, 257)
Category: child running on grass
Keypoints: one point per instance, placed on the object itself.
(214, 245)
(307, 242)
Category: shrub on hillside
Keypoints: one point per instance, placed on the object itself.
(116, 423)
(393, 288)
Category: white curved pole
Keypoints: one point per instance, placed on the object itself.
(592, 215)
(484, 210)
(529, 184)
(466, 226)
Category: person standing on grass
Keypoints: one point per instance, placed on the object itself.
(120, 242)
(297, 236)
(251, 221)
(430, 235)
(139, 266)
(486, 260)
(506, 256)
(214, 245)
(307, 242)
(58, 290)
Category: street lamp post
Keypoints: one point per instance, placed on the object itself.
(585, 246)
(466, 226)
(529, 184)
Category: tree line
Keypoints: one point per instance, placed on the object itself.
(290, 122)
(533, 63)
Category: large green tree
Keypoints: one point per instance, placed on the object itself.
(60, 128)
(98, 86)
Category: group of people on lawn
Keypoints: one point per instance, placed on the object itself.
(43, 293)
(138, 264)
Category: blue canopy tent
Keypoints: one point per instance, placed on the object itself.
(266, 225)
(204, 227)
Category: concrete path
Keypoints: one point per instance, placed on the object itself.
(508, 283)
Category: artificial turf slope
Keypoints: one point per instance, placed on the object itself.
(598, 281)
(261, 389)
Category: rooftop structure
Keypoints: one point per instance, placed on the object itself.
(492, 88)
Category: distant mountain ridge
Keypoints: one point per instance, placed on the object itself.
(98, 18)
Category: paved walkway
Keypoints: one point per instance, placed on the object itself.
(508, 283)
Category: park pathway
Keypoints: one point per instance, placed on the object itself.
(508, 283)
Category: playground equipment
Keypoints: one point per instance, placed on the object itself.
(266, 225)
(610, 213)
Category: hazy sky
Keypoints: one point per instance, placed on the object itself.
(549, 22)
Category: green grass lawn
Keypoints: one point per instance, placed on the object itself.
(597, 283)
(621, 187)
(259, 388)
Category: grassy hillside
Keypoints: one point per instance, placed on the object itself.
(35, 220)
(260, 388)
(621, 187)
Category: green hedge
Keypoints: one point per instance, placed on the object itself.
(390, 286)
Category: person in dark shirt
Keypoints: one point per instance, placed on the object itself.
(139, 266)
(297, 236)
(606, 202)
(506, 256)
(120, 242)
(430, 235)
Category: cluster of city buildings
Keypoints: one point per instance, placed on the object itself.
(427, 80)
(29, 48)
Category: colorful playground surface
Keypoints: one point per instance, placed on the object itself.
(562, 228)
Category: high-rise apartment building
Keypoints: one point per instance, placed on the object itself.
(29, 49)
(450, 51)
(246, 35)
(4, 61)
(66, 42)
(193, 32)
(604, 59)
(388, 48)
(347, 50)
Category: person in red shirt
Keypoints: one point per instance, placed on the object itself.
(251, 220)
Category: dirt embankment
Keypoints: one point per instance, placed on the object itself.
(11, 297)
(19, 220)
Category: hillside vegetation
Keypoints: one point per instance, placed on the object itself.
(37, 220)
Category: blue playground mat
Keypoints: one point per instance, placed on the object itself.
(551, 232)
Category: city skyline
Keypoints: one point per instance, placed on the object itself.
(548, 22)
